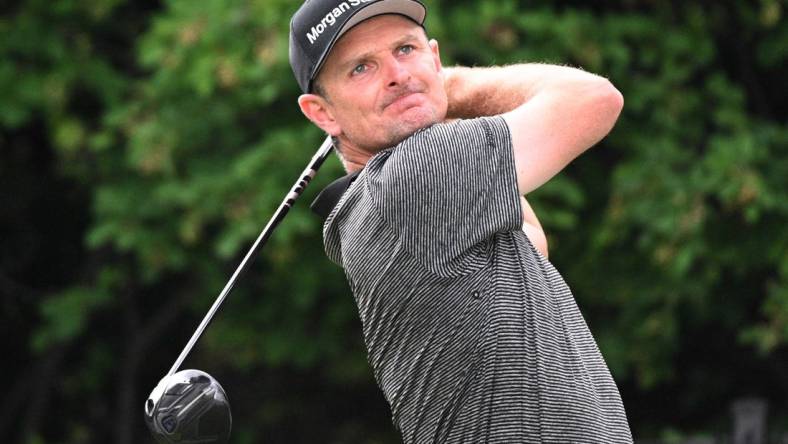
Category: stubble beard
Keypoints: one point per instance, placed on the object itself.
(408, 125)
(397, 129)
(402, 129)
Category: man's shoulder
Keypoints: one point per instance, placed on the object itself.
(431, 143)
(454, 129)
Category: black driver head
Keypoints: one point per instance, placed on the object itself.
(189, 407)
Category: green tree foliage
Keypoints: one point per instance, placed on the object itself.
(169, 133)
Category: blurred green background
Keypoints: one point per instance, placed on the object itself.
(144, 144)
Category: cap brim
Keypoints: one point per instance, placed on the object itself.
(409, 8)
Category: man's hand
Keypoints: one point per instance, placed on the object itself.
(554, 113)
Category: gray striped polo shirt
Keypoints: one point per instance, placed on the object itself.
(472, 334)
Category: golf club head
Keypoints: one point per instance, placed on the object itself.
(189, 407)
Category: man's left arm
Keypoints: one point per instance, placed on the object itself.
(554, 113)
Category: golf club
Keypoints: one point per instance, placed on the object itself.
(190, 406)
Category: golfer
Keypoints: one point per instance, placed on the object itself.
(471, 333)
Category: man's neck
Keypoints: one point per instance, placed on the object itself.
(355, 158)
(352, 167)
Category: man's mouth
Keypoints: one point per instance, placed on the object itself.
(406, 100)
(401, 98)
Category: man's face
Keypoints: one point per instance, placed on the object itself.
(382, 82)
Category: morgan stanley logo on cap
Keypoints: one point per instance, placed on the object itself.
(318, 25)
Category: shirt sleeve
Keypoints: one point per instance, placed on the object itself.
(447, 190)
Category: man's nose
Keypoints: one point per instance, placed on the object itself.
(397, 74)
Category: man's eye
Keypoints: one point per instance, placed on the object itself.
(406, 49)
(359, 69)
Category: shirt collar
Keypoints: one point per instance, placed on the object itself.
(327, 199)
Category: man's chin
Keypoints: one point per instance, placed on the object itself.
(411, 124)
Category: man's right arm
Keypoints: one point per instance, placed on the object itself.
(554, 112)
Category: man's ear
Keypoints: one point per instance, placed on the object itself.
(436, 54)
(316, 109)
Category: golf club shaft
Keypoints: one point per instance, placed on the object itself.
(306, 176)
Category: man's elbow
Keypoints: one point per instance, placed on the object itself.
(611, 102)
(602, 109)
